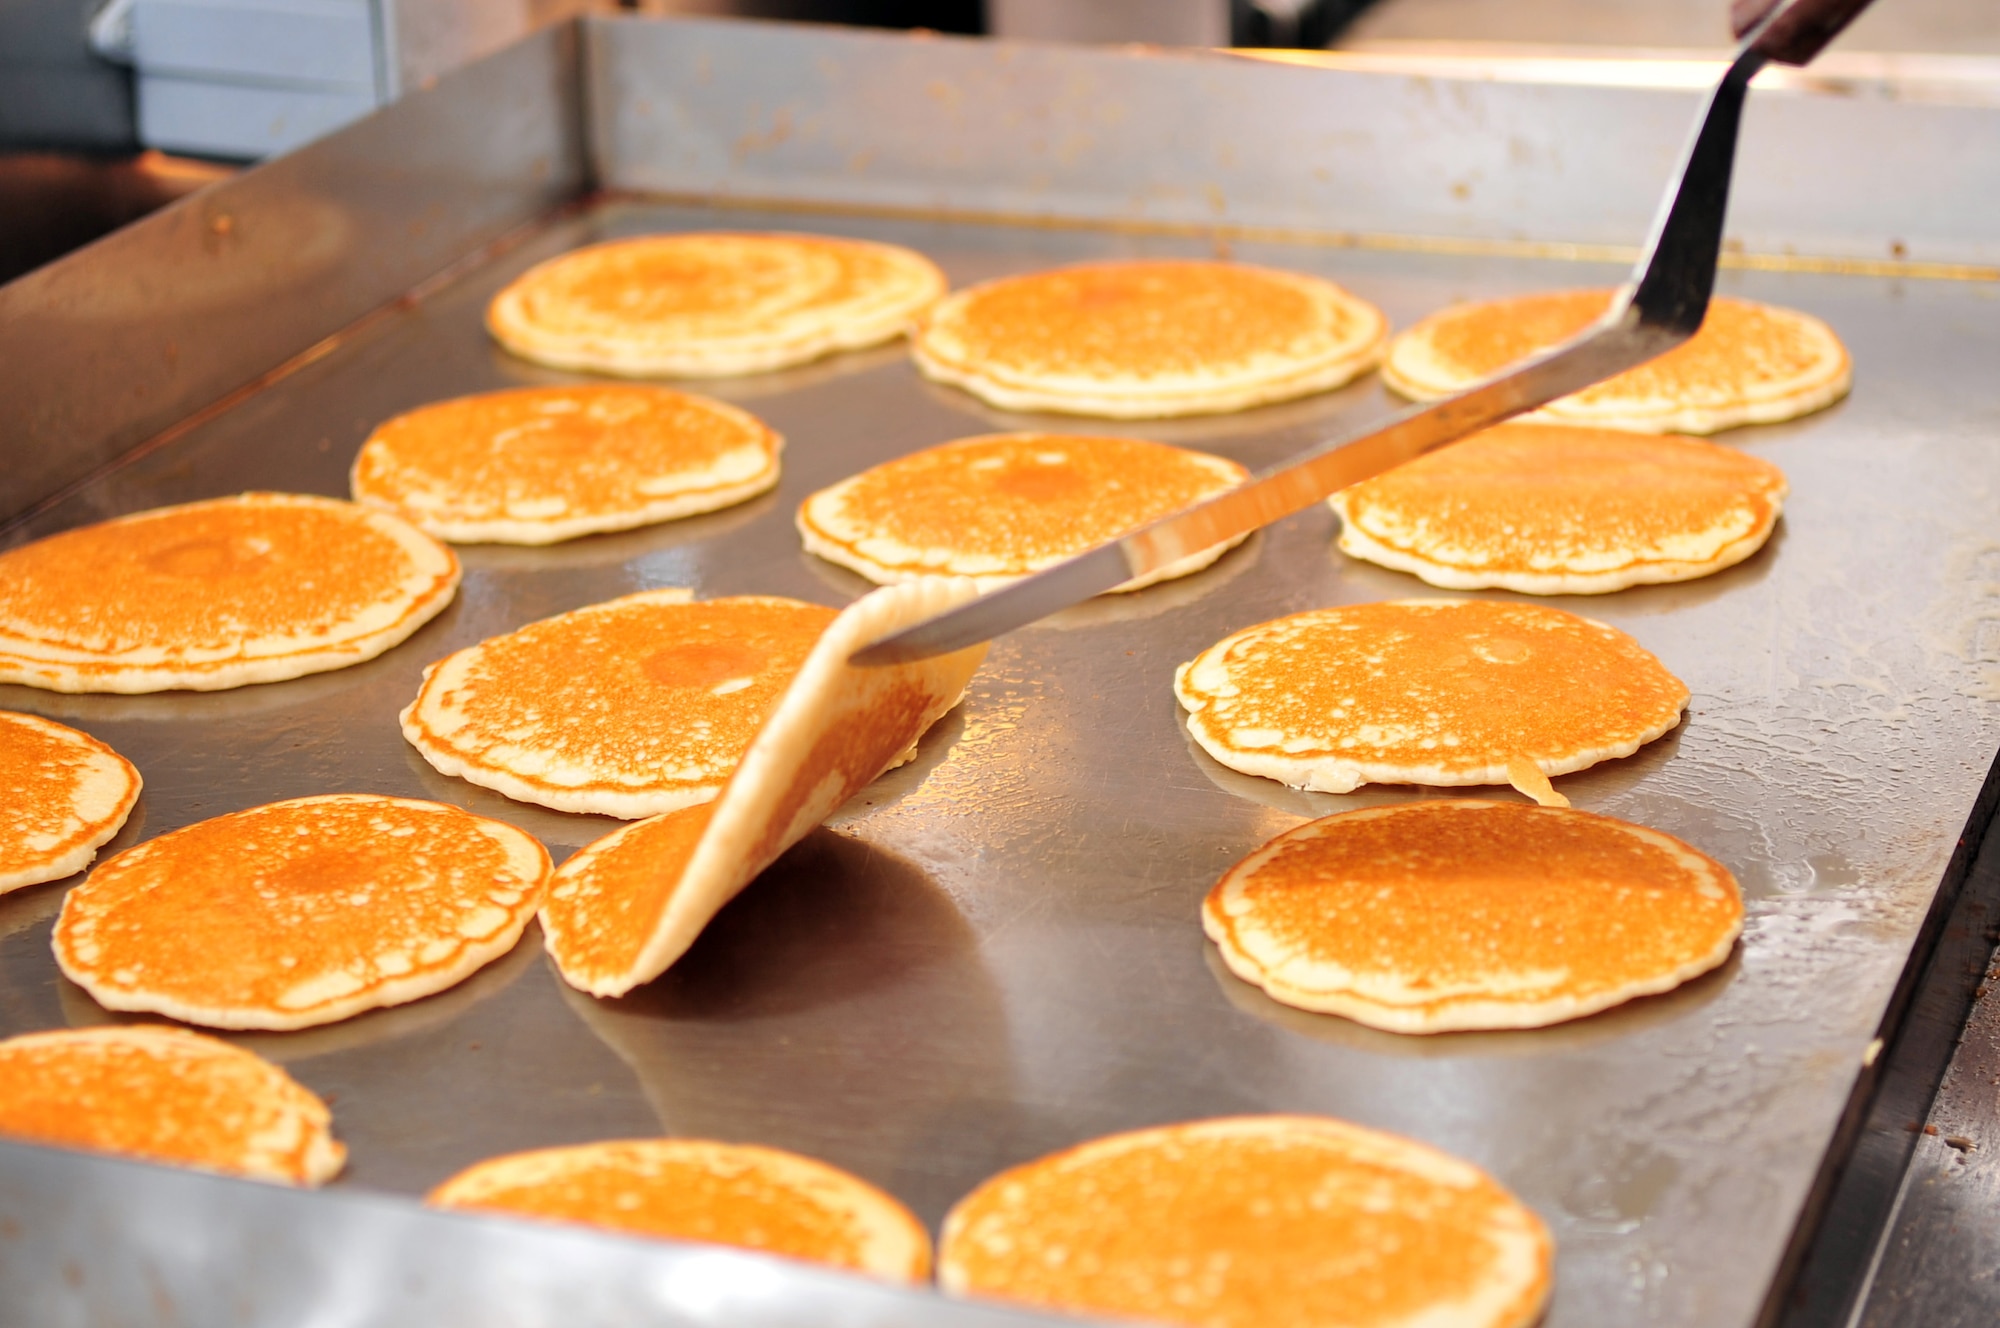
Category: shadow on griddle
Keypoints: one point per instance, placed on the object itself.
(736, 388)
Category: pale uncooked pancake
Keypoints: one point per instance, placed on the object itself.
(624, 908)
(62, 793)
(300, 913)
(1272, 1221)
(1147, 339)
(1557, 510)
(695, 1189)
(255, 588)
(998, 507)
(628, 708)
(711, 303)
(165, 1095)
(1425, 692)
(1749, 364)
(535, 465)
(1435, 916)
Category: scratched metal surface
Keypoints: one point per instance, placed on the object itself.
(995, 951)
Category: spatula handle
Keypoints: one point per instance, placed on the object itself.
(1800, 31)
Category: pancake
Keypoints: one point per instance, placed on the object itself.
(624, 908)
(1749, 363)
(535, 465)
(216, 594)
(999, 507)
(62, 793)
(711, 303)
(1552, 510)
(1433, 917)
(694, 1189)
(1440, 692)
(1268, 1220)
(165, 1095)
(628, 708)
(300, 913)
(1148, 339)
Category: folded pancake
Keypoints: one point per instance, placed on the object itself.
(1558, 510)
(300, 913)
(628, 708)
(999, 507)
(1749, 364)
(624, 908)
(534, 465)
(1268, 1220)
(1430, 917)
(711, 303)
(756, 1198)
(165, 1095)
(1442, 692)
(62, 794)
(216, 594)
(1150, 338)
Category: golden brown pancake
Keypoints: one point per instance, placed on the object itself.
(1430, 917)
(165, 1095)
(1425, 692)
(998, 507)
(628, 708)
(62, 793)
(215, 594)
(1271, 1221)
(534, 465)
(695, 1189)
(624, 908)
(1147, 339)
(300, 913)
(1749, 364)
(711, 303)
(1557, 510)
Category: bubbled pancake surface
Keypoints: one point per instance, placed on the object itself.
(712, 302)
(1424, 692)
(535, 465)
(165, 1095)
(1146, 339)
(1269, 1221)
(695, 1189)
(1434, 916)
(300, 913)
(629, 708)
(1001, 506)
(62, 793)
(1749, 364)
(255, 588)
(1557, 510)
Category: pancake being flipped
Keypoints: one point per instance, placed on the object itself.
(628, 708)
(999, 507)
(165, 1095)
(62, 793)
(1147, 339)
(1749, 363)
(1556, 510)
(215, 594)
(534, 465)
(300, 913)
(1277, 1221)
(756, 1198)
(711, 303)
(624, 908)
(1418, 691)
(1430, 917)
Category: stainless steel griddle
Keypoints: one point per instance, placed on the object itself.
(995, 952)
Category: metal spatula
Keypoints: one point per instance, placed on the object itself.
(1659, 308)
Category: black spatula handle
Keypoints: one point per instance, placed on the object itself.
(1797, 31)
